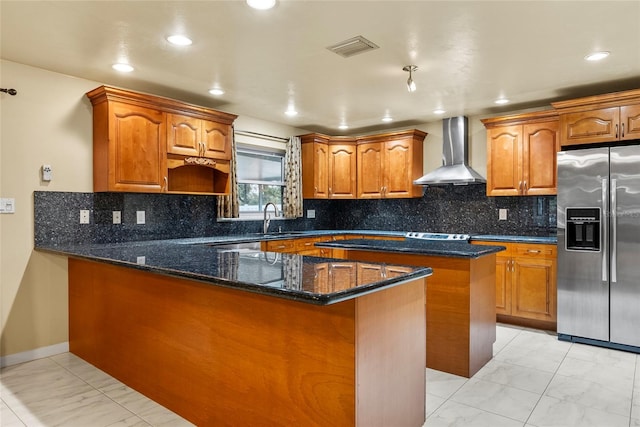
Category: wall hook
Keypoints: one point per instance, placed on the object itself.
(11, 92)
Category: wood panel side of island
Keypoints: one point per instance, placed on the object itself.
(461, 318)
(225, 357)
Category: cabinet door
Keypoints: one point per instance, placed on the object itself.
(503, 285)
(630, 122)
(342, 171)
(183, 135)
(370, 178)
(590, 126)
(137, 149)
(315, 162)
(342, 276)
(397, 170)
(540, 146)
(216, 140)
(534, 288)
(504, 161)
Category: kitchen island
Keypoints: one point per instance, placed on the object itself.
(461, 295)
(238, 336)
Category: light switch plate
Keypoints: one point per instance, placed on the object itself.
(140, 219)
(502, 214)
(117, 217)
(311, 213)
(7, 206)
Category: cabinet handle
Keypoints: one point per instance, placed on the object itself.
(526, 188)
(330, 191)
(519, 187)
(533, 251)
(315, 190)
(622, 134)
(165, 186)
(616, 131)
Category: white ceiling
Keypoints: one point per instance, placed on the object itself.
(467, 53)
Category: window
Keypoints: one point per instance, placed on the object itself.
(260, 181)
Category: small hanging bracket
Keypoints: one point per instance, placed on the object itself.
(11, 92)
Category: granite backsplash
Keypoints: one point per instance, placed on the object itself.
(452, 209)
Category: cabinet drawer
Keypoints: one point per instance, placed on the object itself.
(506, 253)
(535, 250)
(280, 245)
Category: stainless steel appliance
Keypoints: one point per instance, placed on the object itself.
(599, 246)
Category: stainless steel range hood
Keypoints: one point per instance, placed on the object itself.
(455, 157)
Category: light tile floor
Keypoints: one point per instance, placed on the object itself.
(534, 380)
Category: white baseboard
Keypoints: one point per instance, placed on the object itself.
(38, 353)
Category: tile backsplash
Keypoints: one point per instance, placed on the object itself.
(452, 209)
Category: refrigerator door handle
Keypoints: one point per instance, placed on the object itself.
(604, 225)
(614, 232)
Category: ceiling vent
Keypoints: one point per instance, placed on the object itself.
(353, 46)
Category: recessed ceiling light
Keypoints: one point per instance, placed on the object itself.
(291, 112)
(501, 101)
(439, 111)
(120, 66)
(179, 40)
(387, 119)
(261, 4)
(216, 91)
(596, 56)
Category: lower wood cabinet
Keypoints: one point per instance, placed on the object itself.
(526, 284)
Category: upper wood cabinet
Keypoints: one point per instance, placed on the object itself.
(366, 167)
(603, 118)
(315, 165)
(389, 163)
(129, 143)
(521, 154)
(342, 168)
(144, 143)
(196, 137)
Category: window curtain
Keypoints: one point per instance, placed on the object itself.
(229, 205)
(292, 199)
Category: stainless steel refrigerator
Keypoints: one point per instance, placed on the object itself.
(599, 246)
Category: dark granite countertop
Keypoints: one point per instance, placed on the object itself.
(550, 240)
(245, 267)
(417, 246)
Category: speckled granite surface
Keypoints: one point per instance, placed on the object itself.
(417, 246)
(287, 276)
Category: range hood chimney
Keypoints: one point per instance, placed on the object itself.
(455, 157)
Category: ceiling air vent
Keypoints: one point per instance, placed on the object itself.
(353, 46)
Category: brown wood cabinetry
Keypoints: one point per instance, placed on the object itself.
(368, 167)
(389, 163)
(150, 144)
(342, 169)
(526, 284)
(603, 118)
(189, 136)
(328, 167)
(521, 154)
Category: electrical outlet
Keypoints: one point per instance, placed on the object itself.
(311, 213)
(502, 214)
(47, 173)
(141, 260)
(84, 216)
(117, 217)
(140, 217)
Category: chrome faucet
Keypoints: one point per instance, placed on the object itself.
(267, 220)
